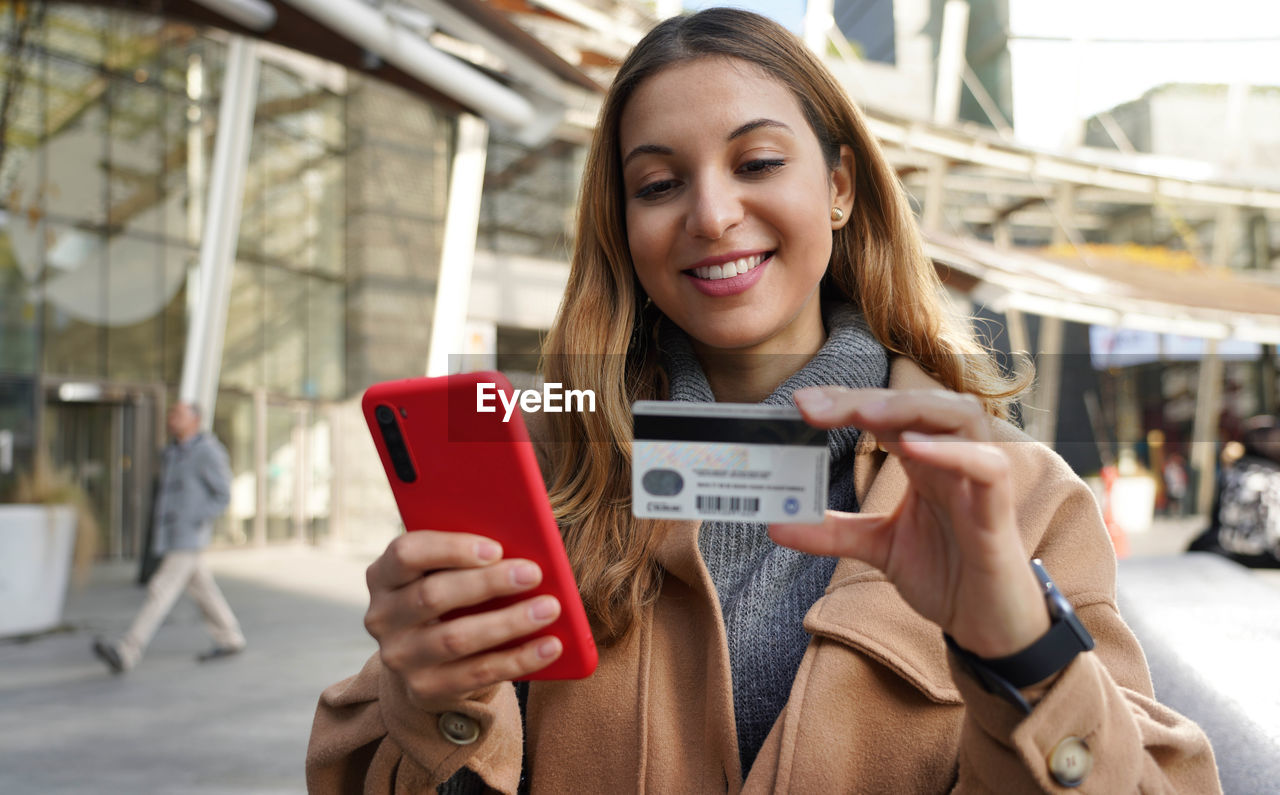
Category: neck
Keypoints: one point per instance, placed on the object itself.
(749, 375)
(183, 438)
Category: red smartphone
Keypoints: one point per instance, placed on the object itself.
(455, 467)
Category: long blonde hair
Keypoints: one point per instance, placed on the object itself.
(603, 335)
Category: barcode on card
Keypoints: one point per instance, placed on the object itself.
(742, 506)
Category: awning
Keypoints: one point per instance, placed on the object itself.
(1198, 302)
(462, 55)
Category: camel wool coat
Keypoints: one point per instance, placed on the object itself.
(877, 706)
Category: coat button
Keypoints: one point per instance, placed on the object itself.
(458, 728)
(1070, 761)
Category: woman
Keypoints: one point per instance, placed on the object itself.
(742, 239)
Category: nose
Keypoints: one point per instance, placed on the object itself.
(716, 208)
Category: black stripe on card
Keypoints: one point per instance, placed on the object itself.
(734, 430)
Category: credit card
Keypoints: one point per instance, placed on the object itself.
(741, 462)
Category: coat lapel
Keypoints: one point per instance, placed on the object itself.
(690, 652)
(666, 694)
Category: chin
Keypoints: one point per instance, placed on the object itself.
(736, 339)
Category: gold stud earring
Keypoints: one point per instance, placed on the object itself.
(837, 214)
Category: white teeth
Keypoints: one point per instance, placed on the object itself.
(729, 269)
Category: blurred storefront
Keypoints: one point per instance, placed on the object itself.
(390, 215)
(109, 122)
(1157, 360)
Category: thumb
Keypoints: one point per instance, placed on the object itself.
(844, 535)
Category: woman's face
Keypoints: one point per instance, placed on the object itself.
(728, 205)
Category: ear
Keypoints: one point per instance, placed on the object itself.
(842, 185)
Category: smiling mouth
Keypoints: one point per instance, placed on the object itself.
(729, 269)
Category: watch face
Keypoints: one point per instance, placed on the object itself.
(1058, 605)
(1060, 610)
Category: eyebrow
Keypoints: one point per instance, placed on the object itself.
(656, 149)
(755, 125)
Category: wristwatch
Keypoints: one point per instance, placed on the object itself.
(1005, 676)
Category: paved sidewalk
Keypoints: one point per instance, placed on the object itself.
(1169, 536)
(173, 725)
(240, 725)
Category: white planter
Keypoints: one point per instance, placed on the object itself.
(36, 546)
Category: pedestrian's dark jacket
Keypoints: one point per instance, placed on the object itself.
(195, 487)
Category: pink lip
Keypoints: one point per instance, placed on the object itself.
(731, 286)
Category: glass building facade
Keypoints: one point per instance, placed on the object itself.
(108, 121)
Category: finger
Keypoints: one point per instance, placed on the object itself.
(431, 596)
(488, 669)
(983, 463)
(971, 477)
(409, 555)
(463, 637)
(884, 411)
(844, 535)
(833, 406)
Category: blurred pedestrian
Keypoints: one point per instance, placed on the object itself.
(195, 487)
(1244, 523)
(1175, 484)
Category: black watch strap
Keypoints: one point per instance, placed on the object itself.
(1066, 638)
(989, 680)
(1042, 659)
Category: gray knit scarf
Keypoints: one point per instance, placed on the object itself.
(764, 589)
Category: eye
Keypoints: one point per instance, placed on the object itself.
(760, 167)
(656, 190)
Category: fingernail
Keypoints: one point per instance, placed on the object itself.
(543, 609)
(524, 574)
(813, 400)
(488, 550)
(915, 437)
(549, 647)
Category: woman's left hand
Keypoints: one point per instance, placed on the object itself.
(951, 547)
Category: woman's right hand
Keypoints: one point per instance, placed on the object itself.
(423, 575)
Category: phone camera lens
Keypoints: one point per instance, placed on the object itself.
(396, 448)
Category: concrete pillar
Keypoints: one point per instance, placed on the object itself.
(946, 102)
(1230, 220)
(1048, 379)
(817, 21)
(1204, 434)
(951, 45)
(1064, 208)
(202, 360)
(1226, 236)
(458, 252)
